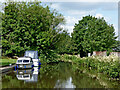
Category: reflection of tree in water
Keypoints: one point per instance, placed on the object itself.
(10, 81)
(48, 76)
(83, 81)
(52, 73)
(65, 80)
(54, 76)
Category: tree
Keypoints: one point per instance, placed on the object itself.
(93, 34)
(66, 45)
(29, 26)
(116, 48)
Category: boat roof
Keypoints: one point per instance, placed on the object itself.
(33, 54)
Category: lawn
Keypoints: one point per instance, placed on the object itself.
(6, 62)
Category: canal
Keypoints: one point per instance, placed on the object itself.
(60, 75)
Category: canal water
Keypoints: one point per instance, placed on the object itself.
(61, 75)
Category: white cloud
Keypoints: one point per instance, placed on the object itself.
(116, 29)
(77, 11)
(98, 15)
(55, 6)
(87, 6)
(68, 27)
(70, 22)
(81, 12)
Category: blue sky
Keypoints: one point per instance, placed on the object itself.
(74, 11)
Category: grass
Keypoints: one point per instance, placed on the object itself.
(6, 62)
(109, 65)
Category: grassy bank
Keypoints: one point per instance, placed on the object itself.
(7, 61)
(109, 65)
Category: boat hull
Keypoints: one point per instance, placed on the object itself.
(24, 66)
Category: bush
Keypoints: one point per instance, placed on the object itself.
(109, 65)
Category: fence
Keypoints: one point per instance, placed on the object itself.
(100, 53)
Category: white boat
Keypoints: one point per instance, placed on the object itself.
(29, 60)
(24, 62)
(24, 77)
(28, 75)
(34, 56)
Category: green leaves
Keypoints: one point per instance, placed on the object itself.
(99, 64)
(29, 26)
(93, 34)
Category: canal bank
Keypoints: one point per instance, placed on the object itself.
(105, 69)
(70, 73)
(60, 75)
(109, 65)
(7, 68)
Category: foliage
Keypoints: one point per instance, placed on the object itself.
(116, 48)
(66, 44)
(29, 26)
(63, 73)
(93, 34)
(109, 65)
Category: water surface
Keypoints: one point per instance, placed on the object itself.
(61, 75)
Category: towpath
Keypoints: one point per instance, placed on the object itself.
(7, 68)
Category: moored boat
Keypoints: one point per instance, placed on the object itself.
(29, 60)
(24, 62)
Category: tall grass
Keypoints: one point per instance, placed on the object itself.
(109, 65)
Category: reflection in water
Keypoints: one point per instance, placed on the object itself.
(28, 75)
(67, 84)
(61, 75)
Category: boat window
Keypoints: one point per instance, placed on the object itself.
(19, 76)
(25, 76)
(25, 60)
(19, 61)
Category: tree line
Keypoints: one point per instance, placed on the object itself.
(32, 26)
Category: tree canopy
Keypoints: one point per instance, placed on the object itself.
(66, 44)
(93, 34)
(29, 26)
(32, 26)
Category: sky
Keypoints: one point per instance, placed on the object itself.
(74, 10)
